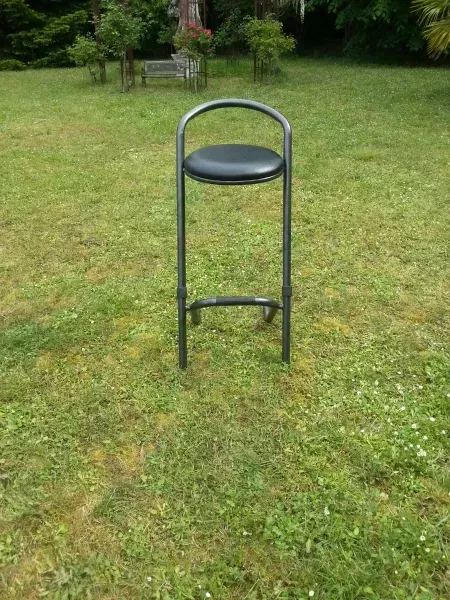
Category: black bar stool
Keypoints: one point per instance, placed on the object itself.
(234, 164)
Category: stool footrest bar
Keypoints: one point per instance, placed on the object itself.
(233, 301)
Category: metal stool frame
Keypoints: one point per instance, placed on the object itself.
(270, 307)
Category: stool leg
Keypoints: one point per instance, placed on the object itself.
(181, 238)
(287, 289)
(286, 349)
(182, 337)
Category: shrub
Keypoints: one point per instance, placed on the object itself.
(12, 65)
(84, 52)
(267, 40)
(56, 58)
(120, 29)
(195, 41)
(231, 36)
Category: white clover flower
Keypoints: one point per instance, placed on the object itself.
(421, 452)
(326, 512)
(422, 538)
(207, 595)
(414, 426)
(420, 387)
(425, 437)
(402, 407)
(359, 393)
(432, 419)
(443, 432)
(362, 430)
(427, 549)
(148, 579)
(311, 593)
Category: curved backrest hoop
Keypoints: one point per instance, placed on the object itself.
(235, 103)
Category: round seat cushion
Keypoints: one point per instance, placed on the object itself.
(233, 164)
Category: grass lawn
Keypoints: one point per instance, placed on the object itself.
(240, 479)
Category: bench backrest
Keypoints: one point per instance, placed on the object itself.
(163, 67)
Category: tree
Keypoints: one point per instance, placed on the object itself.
(96, 21)
(40, 39)
(298, 5)
(119, 29)
(231, 35)
(267, 41)
(374, 25)
(85, 52)
(435, 15)
(188, 13)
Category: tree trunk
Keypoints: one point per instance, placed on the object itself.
(189, 13)
(131, 75)
(96, 15)
(123, 74)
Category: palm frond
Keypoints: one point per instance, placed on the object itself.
(438, 36)
(431, 9)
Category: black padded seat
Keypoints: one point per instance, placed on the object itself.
(233, 164)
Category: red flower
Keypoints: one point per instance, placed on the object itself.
(191, 25)
(195, 35)
(208, 31)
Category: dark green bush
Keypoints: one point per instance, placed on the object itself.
(12, 65)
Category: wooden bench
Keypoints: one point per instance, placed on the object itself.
(163, 68)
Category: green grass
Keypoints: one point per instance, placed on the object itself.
(123, 478)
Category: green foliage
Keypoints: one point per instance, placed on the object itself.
(17, 14)
(153, 14)
(223, 8)
(12, 64)
(167, 33)
(84, 52)
(231, 35)
(195, 41)
(375, 25)
(55, 32)
(119, 29)
(436, 17)
(266, 39)
(37, 38)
